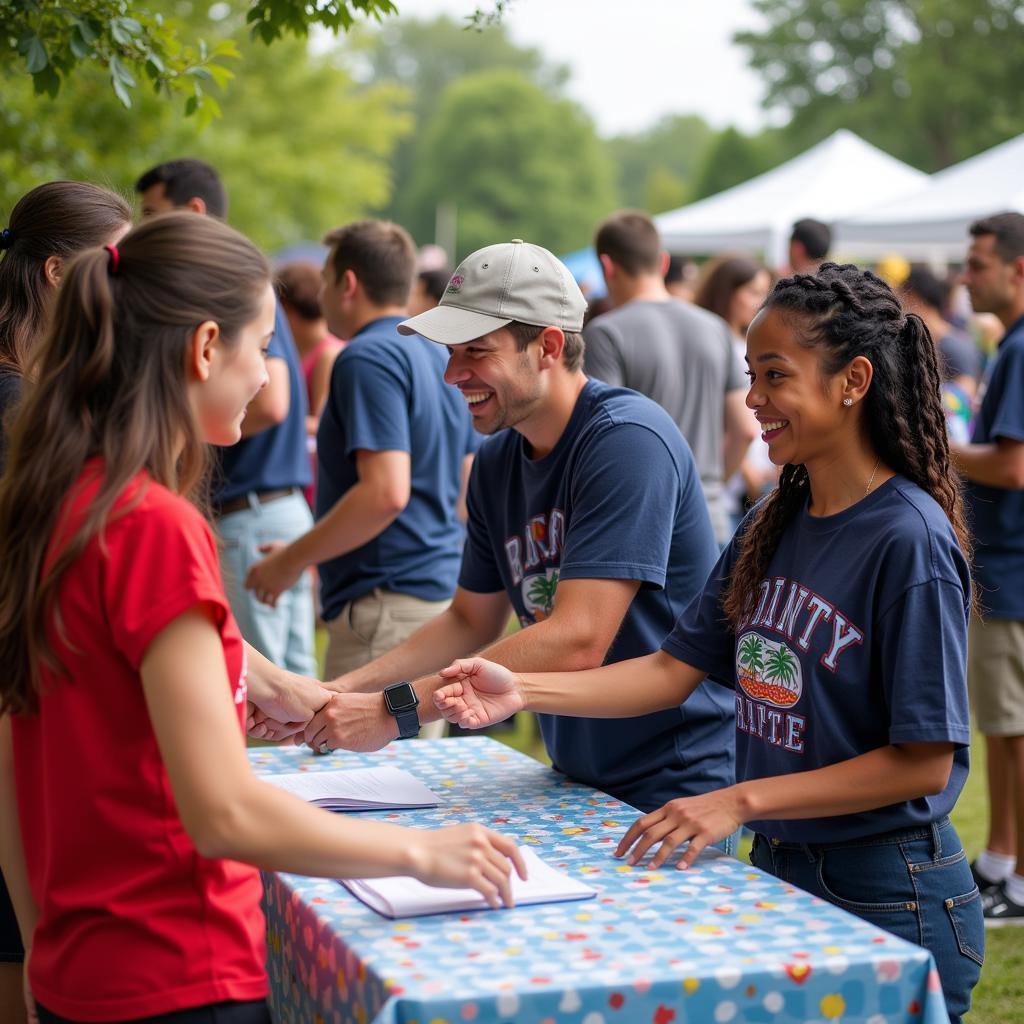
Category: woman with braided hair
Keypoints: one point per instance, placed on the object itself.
(838, 613)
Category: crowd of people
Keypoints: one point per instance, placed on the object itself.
(762, 536)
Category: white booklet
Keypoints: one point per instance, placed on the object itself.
(399, 896)
(360, 789)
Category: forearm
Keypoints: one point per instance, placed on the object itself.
(626, 689)
(888, 775)
(988, 464)
(304, 839)
(433, 646)
(357, 518)
(12, 853)
(264, 679)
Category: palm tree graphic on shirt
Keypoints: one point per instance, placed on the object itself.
(768, 671)
(539, 592)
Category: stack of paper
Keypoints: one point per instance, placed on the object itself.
(361, 789)
(407, 897)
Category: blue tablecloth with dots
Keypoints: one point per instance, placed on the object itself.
(719, 942)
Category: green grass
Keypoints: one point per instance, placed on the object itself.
(999, 997)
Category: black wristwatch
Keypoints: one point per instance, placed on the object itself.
(401, 701)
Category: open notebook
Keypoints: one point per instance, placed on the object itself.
(407, 897)
(360, 789)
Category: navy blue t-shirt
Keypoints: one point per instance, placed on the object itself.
(856, 639)
(274, 458)
(618, 497)
(388, 394)
(997, 515)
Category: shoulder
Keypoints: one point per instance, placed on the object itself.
(918, 539)
(145, 502)
(1010, 353)
(379, 348)
(621, 415)
(496, 453)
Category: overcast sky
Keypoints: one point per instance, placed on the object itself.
(634, 60)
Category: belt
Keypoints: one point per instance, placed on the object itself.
(243, 501)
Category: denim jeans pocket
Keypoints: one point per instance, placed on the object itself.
(886, 888)
(968, 924)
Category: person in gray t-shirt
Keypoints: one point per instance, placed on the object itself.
(675, 353)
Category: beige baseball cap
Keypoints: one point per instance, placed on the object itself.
(496, 285)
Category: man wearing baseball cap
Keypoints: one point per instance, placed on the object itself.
(586, 517)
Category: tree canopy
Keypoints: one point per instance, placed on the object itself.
(132, 43)
(302, 147)
(511, 161)
(930, 81)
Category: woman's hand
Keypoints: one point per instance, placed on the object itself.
(700, 820)
(480, 693)
(467, 857)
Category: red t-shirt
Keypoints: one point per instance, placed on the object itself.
(133, 922)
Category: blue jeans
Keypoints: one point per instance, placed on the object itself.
(283, 634)
(915, 883)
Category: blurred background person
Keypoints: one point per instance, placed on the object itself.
(298, 288)
(735, 287)
(427, 290)
(809, 244)
(681, 278)
(959, 358)
(258, 488)
(679, 355)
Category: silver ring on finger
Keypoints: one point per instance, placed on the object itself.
(324, 749)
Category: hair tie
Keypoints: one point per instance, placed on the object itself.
(6, 239)
(115, 259)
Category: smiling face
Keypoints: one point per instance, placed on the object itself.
(500, 384)
(236, 373)
(800, 410)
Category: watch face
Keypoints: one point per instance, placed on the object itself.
(400, 697)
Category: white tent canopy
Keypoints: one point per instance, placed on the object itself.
(933, 223)
(837, 178)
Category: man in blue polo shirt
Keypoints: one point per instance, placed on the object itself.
(994, 466)
(257, 486)
(586, 518)
(394, 446)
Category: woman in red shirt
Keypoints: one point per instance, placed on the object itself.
(124, 688)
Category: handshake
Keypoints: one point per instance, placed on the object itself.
(471, 693)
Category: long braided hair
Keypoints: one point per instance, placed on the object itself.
(847, 312)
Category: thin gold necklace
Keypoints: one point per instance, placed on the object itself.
(872, 480)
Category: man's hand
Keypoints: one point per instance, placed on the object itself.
(352, 721)
(273, 575)
(480, 693)
(699, 820)
(286, 709)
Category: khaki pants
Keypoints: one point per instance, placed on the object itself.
(370, 626)
(995, 673)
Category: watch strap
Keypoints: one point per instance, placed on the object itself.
(408, 724)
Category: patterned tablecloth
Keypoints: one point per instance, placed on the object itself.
(717, 943)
